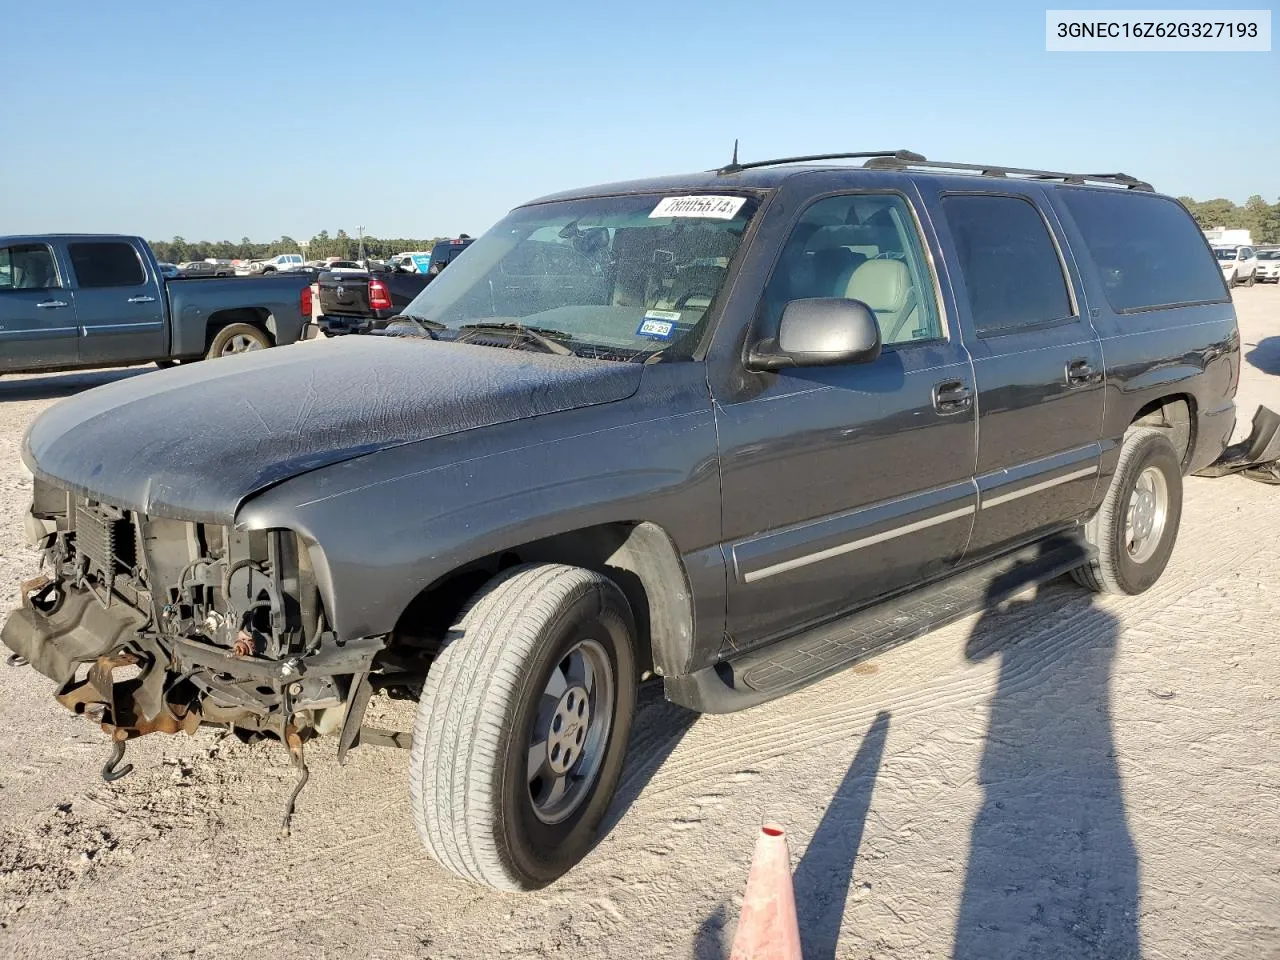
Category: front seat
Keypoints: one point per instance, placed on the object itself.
(885, 287)
(35, 274)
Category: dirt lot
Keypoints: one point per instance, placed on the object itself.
(1071, 777)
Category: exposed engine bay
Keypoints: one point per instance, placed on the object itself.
(154, 625)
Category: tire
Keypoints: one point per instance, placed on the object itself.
(1231, 284)
(1253, 277)
(485, 699)
(1120, 567)
(166, 364)
(237, 338)
(268, 270)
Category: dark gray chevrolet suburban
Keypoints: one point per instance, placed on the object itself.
(737, 430)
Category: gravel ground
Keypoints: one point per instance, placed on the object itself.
(1069, 777)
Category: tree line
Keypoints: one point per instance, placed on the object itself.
(322, 245)
(1260, 218)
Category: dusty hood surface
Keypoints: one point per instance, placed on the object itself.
(194, 442)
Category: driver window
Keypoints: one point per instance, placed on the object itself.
(27, 266)
(861, 247)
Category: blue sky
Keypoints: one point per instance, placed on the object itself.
(219, 120)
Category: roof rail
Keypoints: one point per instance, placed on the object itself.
(893, 156)
(991, 170)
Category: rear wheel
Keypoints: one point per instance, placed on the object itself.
(1135, 528)
(237, 338)
(523, 725)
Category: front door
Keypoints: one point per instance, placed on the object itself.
(37, 312)
(844, 483)
(120, 306)
(1037, 360)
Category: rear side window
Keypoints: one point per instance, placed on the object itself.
(1011, 268)
(106, 264)
(1148, 250)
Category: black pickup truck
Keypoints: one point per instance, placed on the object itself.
(78, 300)
(360, 302)
(737, 430)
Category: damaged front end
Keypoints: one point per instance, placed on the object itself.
(154, 625)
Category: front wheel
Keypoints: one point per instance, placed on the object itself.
(523, 725)
(1253, 277)
(1135, 528)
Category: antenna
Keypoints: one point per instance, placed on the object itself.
(733, 166)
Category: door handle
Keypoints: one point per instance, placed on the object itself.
(142, 299)
(951, 396)
(1079, 373)
(50, 304)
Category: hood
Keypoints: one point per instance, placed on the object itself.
(194, 442)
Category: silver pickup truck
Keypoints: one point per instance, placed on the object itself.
(81, 300)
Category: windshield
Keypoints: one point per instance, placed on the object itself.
(1225, 253)
(616, 277)
(1269, 254)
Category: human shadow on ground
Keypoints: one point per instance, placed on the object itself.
(1052, 871)
(53, 386)
(1265, 356)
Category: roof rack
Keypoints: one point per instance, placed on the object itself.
(892, 156)
(889, 162)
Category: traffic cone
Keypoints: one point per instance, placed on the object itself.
(767, 926)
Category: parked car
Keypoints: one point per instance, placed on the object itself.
(1268, 270)
(207, 268)
(360, 302)
(444, 253)
(1239, 265)
(908, 393)
(407, 262)
(169, 271)
(280, 263)
(343, 266)
(245, 268)
(87, 300)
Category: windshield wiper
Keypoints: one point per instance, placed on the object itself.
(429, 324)
(539, 335)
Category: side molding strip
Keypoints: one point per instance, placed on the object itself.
(852, 545)
(1037, 487)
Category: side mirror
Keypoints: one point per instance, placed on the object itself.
(820, 333)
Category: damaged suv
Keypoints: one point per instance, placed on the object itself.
(737, 430)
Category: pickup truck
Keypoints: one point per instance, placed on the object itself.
(81, 300)
(736, 430)
(360, 302)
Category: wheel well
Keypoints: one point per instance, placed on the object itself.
(255, 317)
(1175, 414)
(639, 557)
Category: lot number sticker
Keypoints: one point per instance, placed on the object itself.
(711, 208)
(658, 324)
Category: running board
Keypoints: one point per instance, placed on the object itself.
(786, 665)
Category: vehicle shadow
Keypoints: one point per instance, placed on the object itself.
(1052, 871)
(657, 730)
(53, 386)
(1266, 355)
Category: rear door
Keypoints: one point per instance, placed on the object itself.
(119, 303)
(1037, 360)
(37, 310)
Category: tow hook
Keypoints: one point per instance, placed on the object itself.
(16, 660)
(111, 770)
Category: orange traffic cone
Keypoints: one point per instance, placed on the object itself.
(767, 927)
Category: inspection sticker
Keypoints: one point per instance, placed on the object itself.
(658, 324)
(712, 208)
